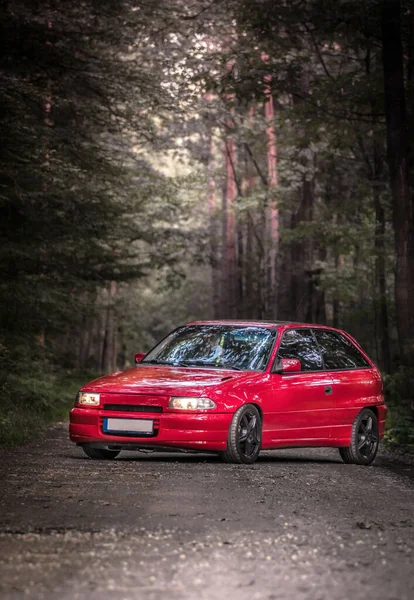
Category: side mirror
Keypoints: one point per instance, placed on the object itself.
(139, 356)
(287, 365)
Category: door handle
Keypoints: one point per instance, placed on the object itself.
(328, 390)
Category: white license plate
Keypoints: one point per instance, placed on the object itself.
(144, 426)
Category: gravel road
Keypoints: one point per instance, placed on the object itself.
(298, 524)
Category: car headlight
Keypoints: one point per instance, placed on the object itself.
(183, 403)
(88, 399)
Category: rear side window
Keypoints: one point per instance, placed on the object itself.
(338, 352)
(300, 343)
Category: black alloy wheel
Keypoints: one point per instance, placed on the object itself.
(364, 440)
(100, 453)
(245, 436)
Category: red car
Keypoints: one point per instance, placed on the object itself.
(238, 387)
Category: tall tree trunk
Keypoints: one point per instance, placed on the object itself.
(212, 208)
(84, 341)
(229, 257)
(318, 293)
(398, 162)
(301, 257)
(223, 271)
(108, 342)
(335, 300)
(122, 349)
(240, 283)
(249, 269)
(115, 346)
(376, 174)
(382, 326)
(273, 212)
(230, 246)
(47, 107)
(250, 250)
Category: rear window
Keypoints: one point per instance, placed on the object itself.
(338, 352)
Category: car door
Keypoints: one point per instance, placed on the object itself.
(356, 382)
(302, 411)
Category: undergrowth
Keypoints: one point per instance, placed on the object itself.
(32, 399)
(399, 396)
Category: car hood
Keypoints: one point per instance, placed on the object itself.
(163, 380)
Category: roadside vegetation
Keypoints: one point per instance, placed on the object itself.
(399, 434)
(33, 397)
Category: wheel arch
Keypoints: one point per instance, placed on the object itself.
(374, 409)
(259, 408)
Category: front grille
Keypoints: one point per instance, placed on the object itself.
(133, 408)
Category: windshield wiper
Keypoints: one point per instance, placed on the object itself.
(200, 363)
(227, 366)
(154, 362)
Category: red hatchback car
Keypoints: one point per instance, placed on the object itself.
(238, 387)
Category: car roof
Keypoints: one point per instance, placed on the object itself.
(252, 323)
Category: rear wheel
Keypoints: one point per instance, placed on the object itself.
(364, 440)
(100, 453)
(245, 436)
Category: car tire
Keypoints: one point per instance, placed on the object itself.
(364, 440)
(100, 453)
(245, 436)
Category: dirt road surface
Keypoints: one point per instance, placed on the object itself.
(298, 524)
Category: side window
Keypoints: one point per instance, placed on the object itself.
(338, 352)
(300, 343)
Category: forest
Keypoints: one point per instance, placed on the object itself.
(164, 161)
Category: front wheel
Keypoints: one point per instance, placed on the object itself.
(100, 453)
(364, 440)
(245, 436)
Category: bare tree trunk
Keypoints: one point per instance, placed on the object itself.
(84, 341)
(122, 352)
(376, 174)
(47, 107)
(319, 306)
(301, 257)
(248, 270)
(212, 207)
(240, 283)
(250, 250)
(108, 341)
(230, 242)
(99, 339)
(380, 272)
(223, 271)
(273, 212)
(114, 365)
(335, 301)
(87, 343)
(399, 170)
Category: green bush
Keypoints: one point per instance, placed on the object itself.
(33, 398)
(399, 395)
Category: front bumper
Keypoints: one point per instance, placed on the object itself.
(188, 431)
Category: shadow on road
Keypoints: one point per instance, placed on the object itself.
(395, 466)
(209, 458)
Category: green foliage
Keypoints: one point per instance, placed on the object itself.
(32, 398)
(78, 205)
(400, 420)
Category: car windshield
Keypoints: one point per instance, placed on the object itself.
(215, 346)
